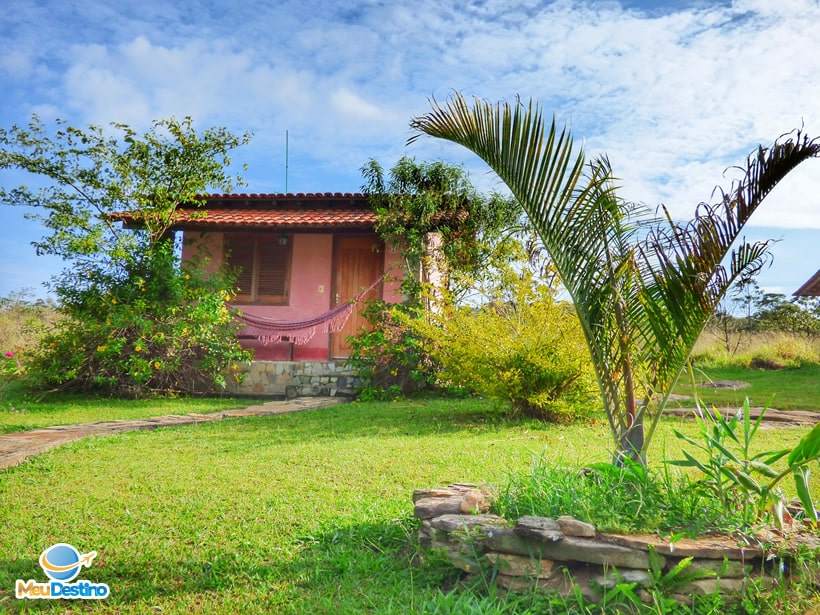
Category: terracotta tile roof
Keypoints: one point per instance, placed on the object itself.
(284, 212)
(306, 197)
(284, 218)
(299, 211)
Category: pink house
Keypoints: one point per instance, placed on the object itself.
(301, 256)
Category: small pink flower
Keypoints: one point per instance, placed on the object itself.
(9, 354)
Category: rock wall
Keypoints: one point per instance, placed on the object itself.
(557, 554)
(291, 379)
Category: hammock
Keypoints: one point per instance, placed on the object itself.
(300, 332)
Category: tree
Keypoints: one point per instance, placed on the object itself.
(135, 320)
(643, 286)
(419, 198)
(775, 313)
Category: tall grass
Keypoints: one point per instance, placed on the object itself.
(23, 321)
(766, 350)
(632, 498)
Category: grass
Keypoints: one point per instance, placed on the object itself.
(757, 349)
(20, 410)
(623, 500)
(784, 389)
(298, 513)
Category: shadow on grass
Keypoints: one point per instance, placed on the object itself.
(384, 420)
(378, 567)
(370, 566)
(374, 566)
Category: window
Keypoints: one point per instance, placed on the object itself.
(263, 262)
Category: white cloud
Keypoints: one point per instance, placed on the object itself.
(350, 105)
(674, 95)
(16, 63)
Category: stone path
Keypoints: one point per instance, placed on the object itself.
(772, 418)
(17, 447)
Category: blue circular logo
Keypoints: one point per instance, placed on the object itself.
(61, 562)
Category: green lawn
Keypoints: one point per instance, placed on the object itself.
(20, 411)
(791, 389)
(784, 389)
(298, 513)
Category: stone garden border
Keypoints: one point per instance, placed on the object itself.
(564, 553)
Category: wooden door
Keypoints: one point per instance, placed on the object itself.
(358, 261)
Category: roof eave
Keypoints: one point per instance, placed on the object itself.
(272, 228)
(811, 288)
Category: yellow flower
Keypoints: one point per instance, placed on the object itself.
(157, 364)
(100, 348)
(113, 302)
(137, 348)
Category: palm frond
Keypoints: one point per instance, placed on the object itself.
(643, 287)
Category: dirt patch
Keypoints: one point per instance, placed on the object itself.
(725, 384)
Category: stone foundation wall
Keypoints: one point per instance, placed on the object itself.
(291, 379)
(557, 554)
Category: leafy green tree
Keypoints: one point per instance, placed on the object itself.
(643, 287)
(775, 313)
(416, 199)
(134, 319)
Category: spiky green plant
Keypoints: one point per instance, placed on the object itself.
(643, 286)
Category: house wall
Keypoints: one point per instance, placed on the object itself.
(310, 290)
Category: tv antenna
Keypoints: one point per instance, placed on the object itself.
(286, 162)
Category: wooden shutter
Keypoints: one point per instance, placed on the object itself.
(273, 263)
(264, 266)
(241, 257)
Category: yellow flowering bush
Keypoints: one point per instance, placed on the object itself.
(524, 347)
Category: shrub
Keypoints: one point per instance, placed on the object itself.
(156, 327)
(390, 357)
(525, 347)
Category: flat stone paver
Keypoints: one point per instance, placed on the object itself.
(772, 418)
(17, 447)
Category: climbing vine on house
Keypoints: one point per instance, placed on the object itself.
(416, 201)
(436, 218)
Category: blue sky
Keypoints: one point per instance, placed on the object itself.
(674, 92)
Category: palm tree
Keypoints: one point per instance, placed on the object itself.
(644, 286)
